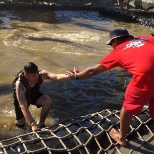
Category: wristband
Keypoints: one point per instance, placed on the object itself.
(32, 123)
(76, 77)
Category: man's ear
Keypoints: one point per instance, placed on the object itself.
(114, 39)
(117, 41)
(25, 75)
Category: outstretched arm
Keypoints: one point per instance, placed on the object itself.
(87, 73)
(54, 77)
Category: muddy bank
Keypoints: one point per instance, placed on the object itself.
(144, 5)
(133, 10)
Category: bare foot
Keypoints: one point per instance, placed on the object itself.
(115, 135)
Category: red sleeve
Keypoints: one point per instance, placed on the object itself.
(110, 61)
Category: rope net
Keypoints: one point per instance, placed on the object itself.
(85, 135)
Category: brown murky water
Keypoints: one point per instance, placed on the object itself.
(58, 41)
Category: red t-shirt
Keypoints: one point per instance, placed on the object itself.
(137, 57)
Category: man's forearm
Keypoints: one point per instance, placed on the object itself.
(87, 73)
(62, 77)
(27, 115)
(91, 71)
(25, 111)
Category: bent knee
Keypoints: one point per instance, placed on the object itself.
(49, 103)
(45, 101)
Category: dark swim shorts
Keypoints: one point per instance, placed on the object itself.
(18, 112)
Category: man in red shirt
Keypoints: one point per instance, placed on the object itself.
(135, 55)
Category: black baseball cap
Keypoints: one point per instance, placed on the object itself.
(117, 33)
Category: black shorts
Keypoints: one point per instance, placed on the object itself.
(18, 112)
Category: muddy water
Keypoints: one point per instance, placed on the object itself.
(58, 41)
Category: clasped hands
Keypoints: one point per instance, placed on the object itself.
(72, 73)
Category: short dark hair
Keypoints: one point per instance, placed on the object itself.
(30, 68)
(125, 38)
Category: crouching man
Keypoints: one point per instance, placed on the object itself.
(27, 92)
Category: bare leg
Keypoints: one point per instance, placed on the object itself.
(21, 121)
(46, 103)
(125, 121)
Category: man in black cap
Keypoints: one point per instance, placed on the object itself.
(135, 55)
(27, 91)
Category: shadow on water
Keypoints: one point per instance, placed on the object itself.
(52, 17)
(5, 89)
(75, 44)
(26, 16)
(76, 98)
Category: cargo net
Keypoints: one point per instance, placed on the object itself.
(86, 135)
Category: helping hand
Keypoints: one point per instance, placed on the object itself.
(72, 73)
(75, 70)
